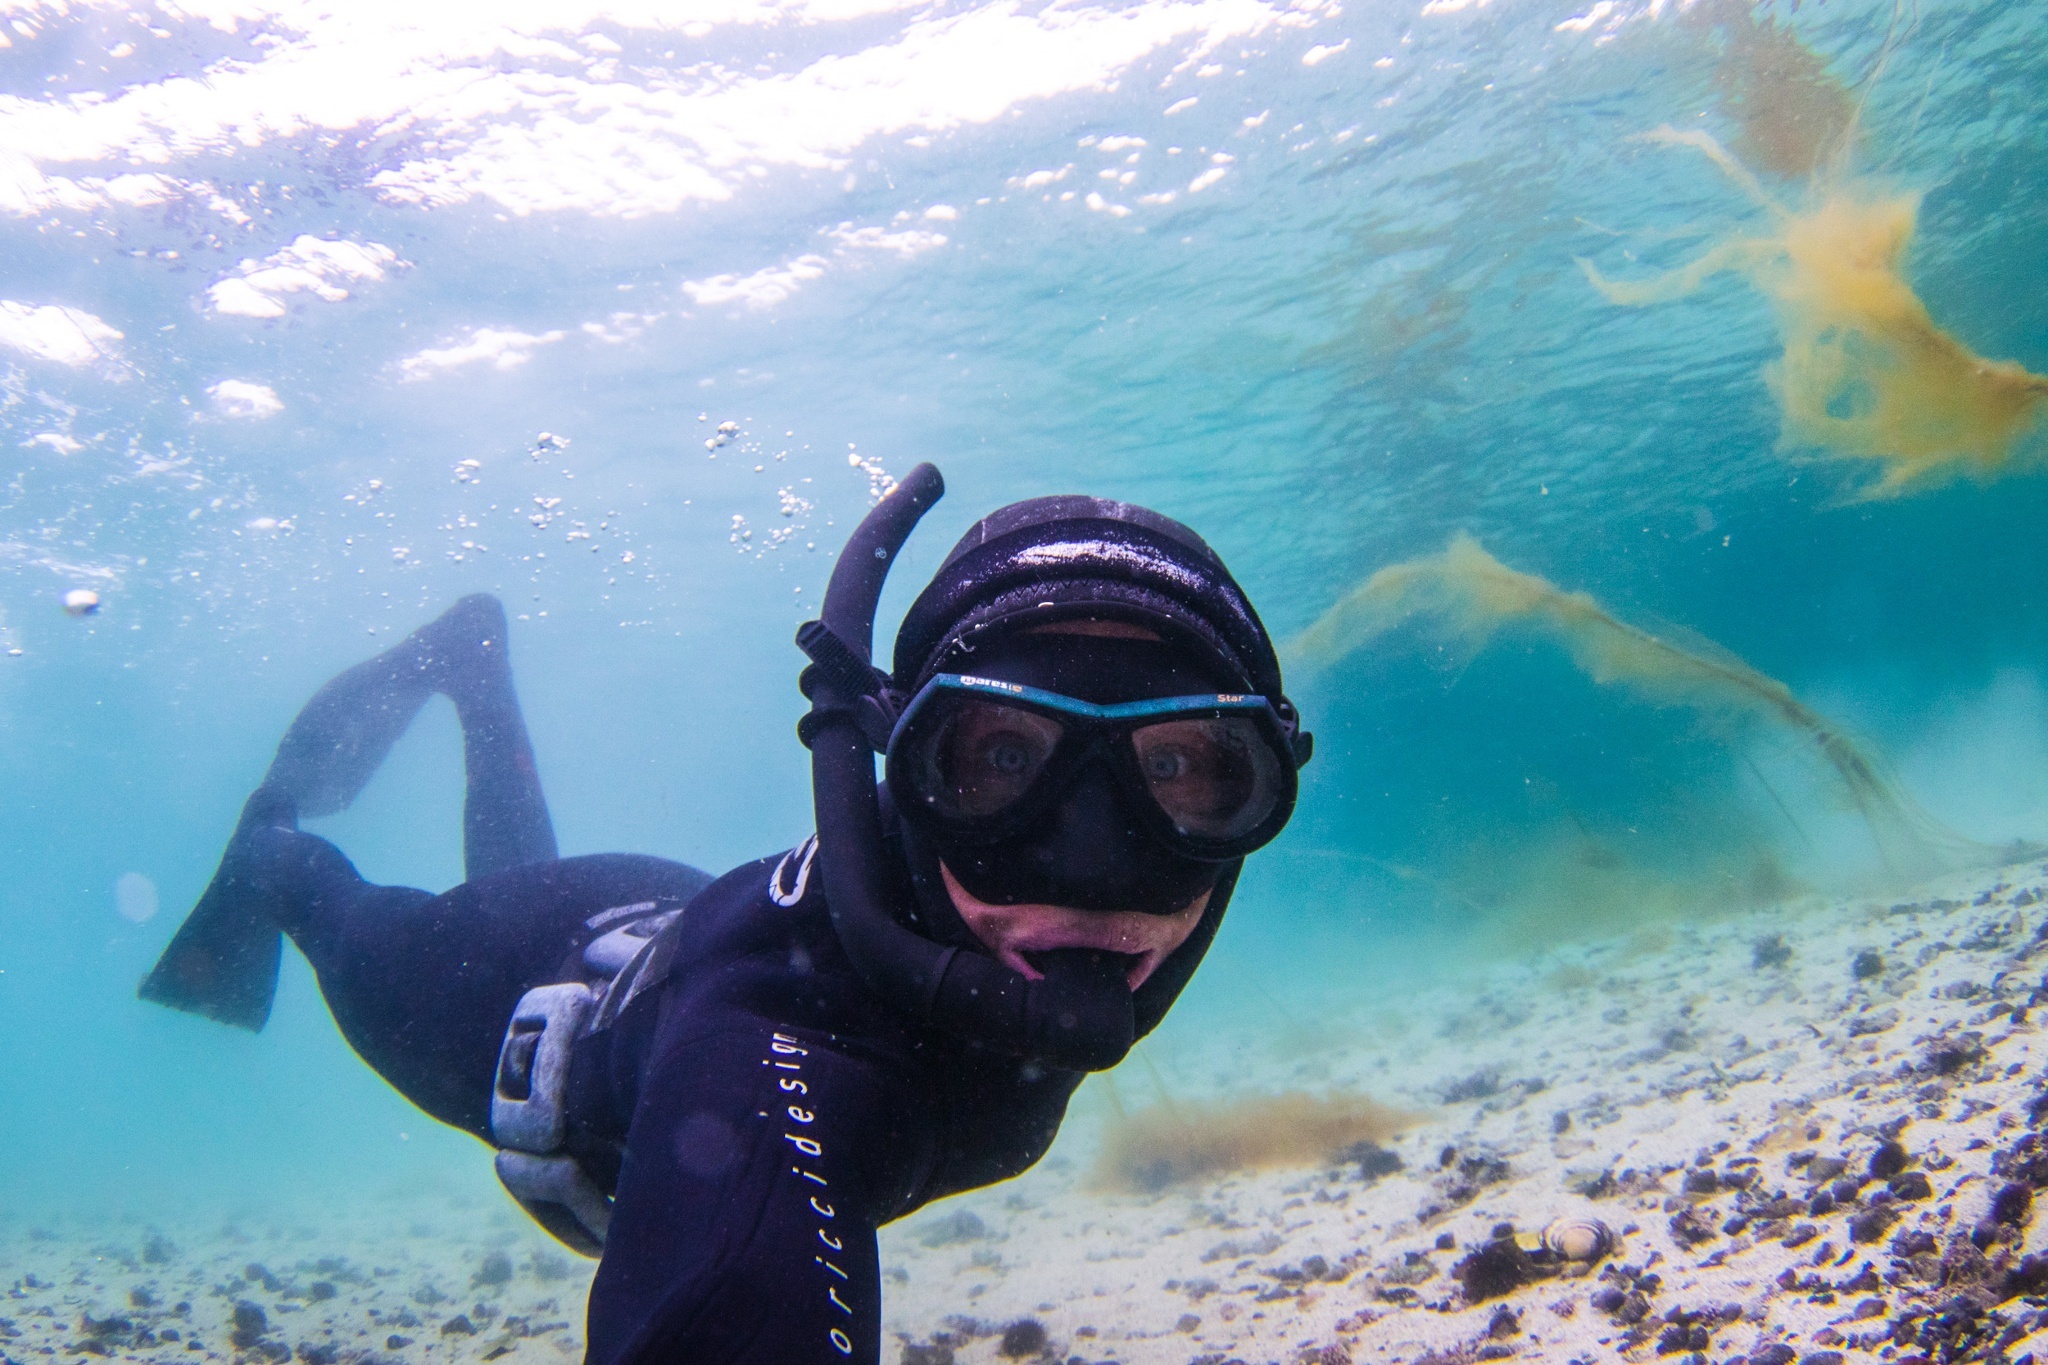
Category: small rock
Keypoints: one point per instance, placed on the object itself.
(459, 1325)
(2013, 1205)
(1949, 1056)
(496, 1270)
(1866, 965)
(250, 1323)
(1888, 1160)
(1498, 1267)
(1373, 1160)
(1024, 1337)
(1480, 1085)
(1691, 1227)
(1911, 1185)
(961, 1225)
(1684, 1336)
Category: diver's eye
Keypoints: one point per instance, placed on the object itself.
(983, 758)
(1008, 755)
(1163, 764)
(1217, 778)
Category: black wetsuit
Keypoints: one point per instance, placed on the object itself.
(773, 1112)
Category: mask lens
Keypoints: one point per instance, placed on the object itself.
(979, 758)
(1214, 778)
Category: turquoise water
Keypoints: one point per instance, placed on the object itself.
(320, 316)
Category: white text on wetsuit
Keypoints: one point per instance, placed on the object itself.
(785, 1057)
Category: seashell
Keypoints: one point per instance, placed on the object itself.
(1579, 1239)
(81, 602)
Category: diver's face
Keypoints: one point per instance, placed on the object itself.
(1086, 876)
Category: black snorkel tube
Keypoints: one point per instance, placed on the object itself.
(1079, 1017)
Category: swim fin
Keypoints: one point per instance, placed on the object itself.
(223, 962)
(339, 738)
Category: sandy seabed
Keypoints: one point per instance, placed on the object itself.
(1717, 1095)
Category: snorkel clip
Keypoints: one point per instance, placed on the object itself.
(874, 706)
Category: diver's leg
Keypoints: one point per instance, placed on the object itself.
(340, 737)
(505, 820)
(223, 962)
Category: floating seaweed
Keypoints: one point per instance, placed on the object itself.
(1169, 1143)
(1470, 595)
(1866, 373)
(1791, 114)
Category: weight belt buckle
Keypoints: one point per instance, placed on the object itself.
(529, 1120)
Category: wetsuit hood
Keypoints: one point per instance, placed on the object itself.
(1056, 559)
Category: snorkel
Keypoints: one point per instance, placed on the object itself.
(1079, 1016)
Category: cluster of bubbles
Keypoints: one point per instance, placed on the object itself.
(880, 482)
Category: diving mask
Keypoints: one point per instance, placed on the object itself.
(979, 759)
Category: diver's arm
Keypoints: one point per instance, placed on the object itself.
(758, 1165)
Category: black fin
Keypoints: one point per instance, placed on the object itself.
(223, 961)
(339, 738)
(451, 644)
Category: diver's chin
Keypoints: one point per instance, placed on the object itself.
(1013, 933)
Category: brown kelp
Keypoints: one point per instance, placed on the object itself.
(1468, 595)
(1791, 115)
(1866, 373)
(1170, 1142)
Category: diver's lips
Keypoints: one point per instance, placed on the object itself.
(1013, 932)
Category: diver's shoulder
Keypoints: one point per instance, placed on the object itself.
(782, 881)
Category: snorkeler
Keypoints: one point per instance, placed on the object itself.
(724, 1087)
